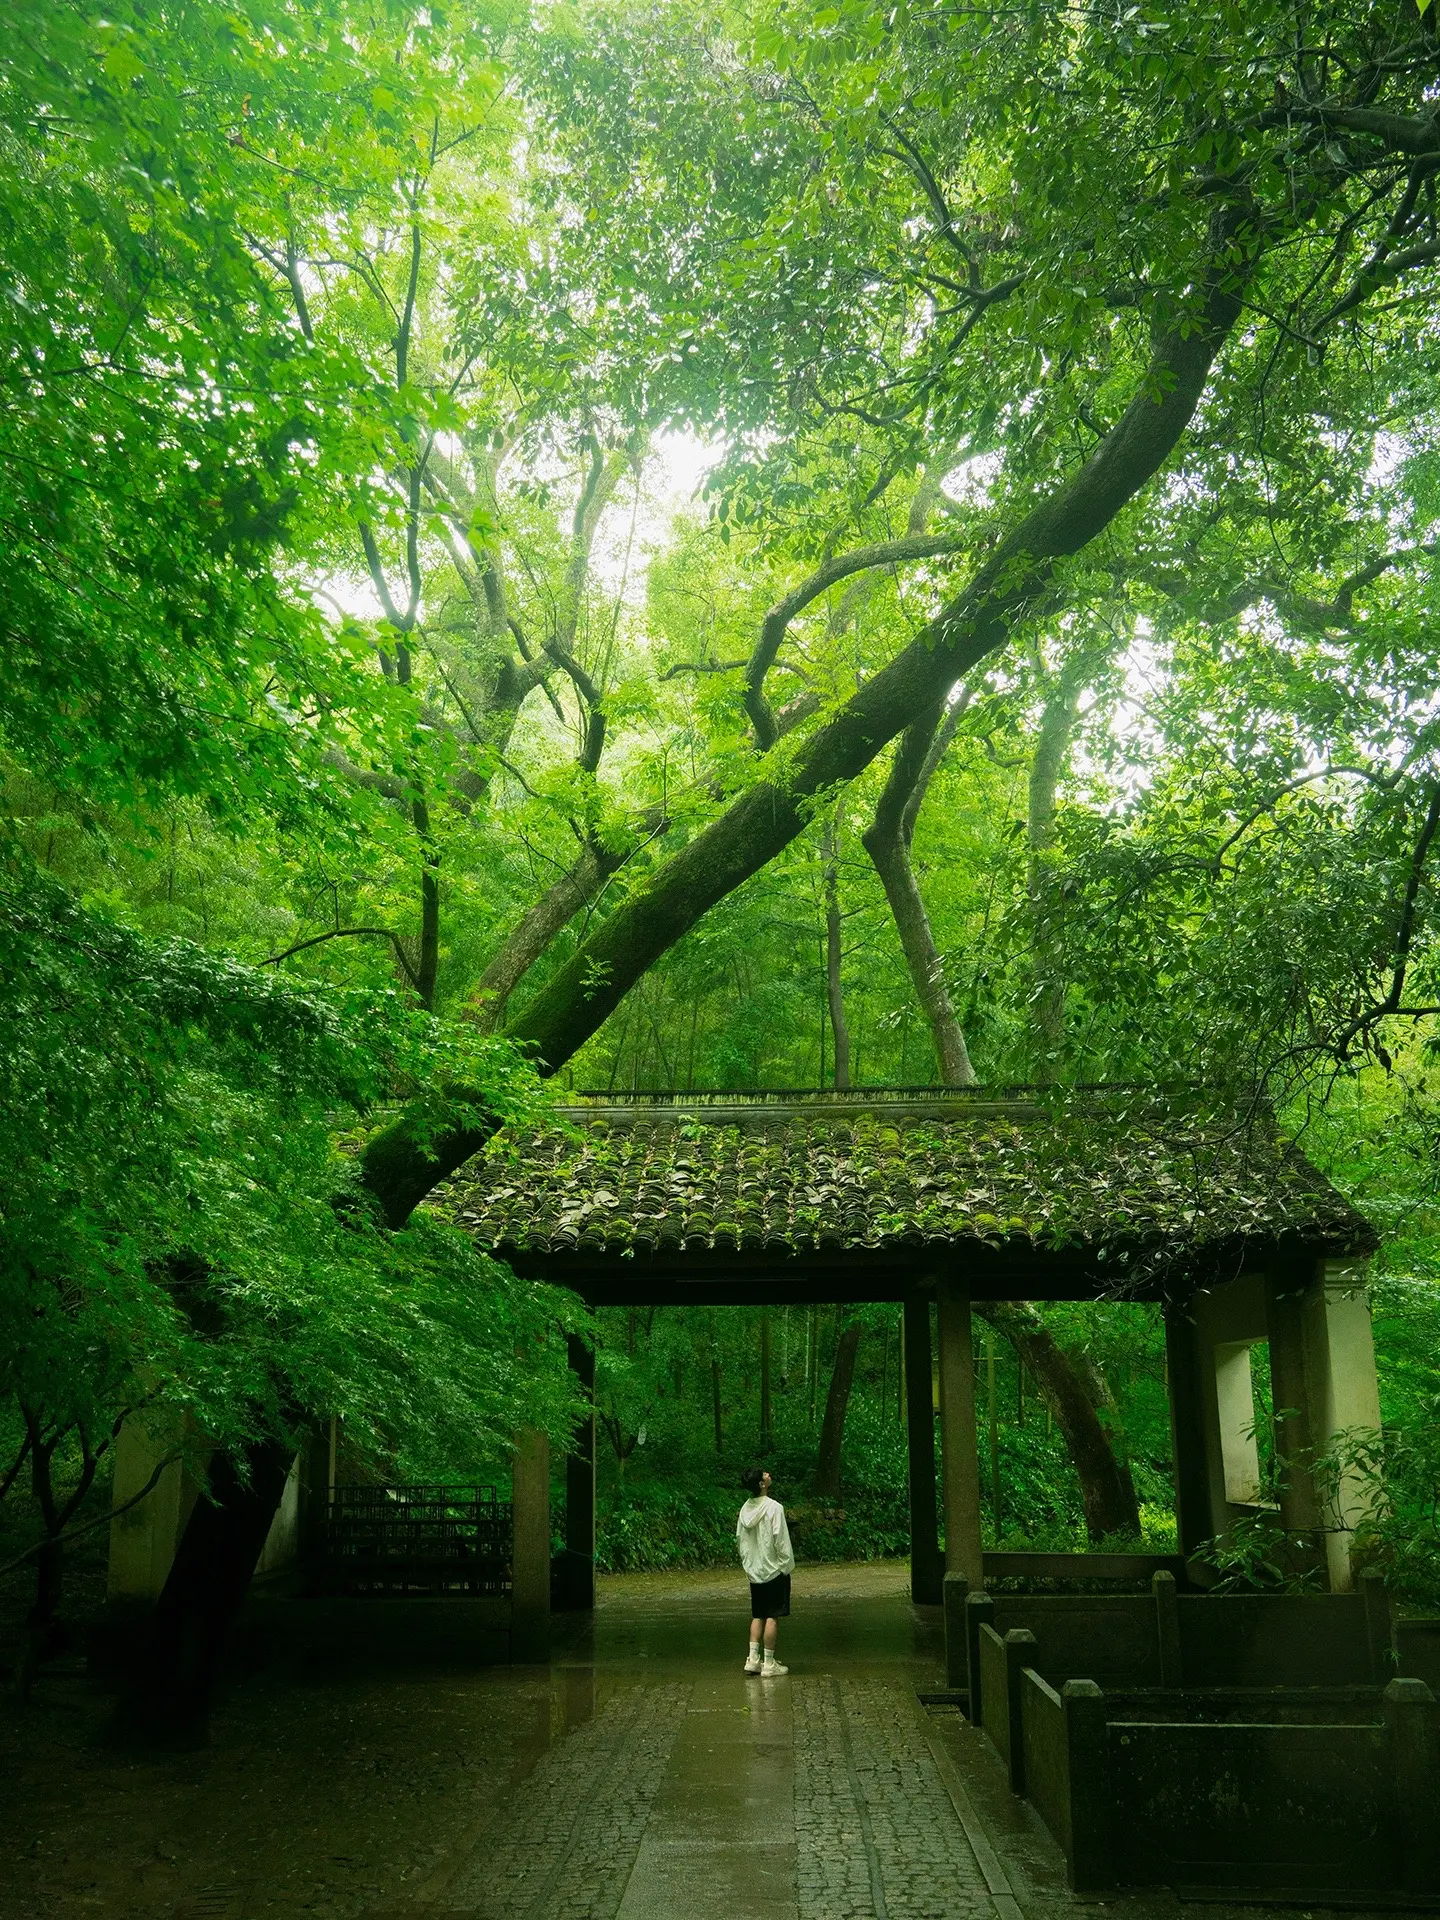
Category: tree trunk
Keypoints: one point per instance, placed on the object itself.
(887, 841)
(837, 1405)
(1106, 1490)
(43, 1617)
(407, 1159)
(834, 954)
(428, 971)
(1047, 959)
(49, 1562)
(555, 908)
(168, 1699)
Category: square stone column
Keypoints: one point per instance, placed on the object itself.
(577, 1590)
(1297, 1428)
(1194, 1521)
(1235, 1402)
(143, 1537)
(285, 1541)
(530, 1565)
(1208, 1340)
(960, 1461)
(1344, 1394)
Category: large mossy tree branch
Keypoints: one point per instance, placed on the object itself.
(581, 995)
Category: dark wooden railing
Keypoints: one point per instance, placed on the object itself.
(400, 1540)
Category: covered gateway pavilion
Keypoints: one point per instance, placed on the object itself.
(916, 1195)
(1153, 1734)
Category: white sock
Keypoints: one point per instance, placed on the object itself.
(770, 1656)
(754, 1648)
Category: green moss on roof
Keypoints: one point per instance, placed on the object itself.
(890, 1169)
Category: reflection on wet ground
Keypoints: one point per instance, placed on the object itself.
(674, 1785)
(639, 1774)
(693, 1788)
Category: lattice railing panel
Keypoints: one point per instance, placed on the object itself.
(418, 1540)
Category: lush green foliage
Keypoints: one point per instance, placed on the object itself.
(181, 1235)
(669, 1494)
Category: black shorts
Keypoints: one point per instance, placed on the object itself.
(770, 1600)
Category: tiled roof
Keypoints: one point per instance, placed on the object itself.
(897, 1169)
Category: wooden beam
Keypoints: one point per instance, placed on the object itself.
(926, 1566)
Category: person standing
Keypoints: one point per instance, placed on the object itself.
(765, 1553)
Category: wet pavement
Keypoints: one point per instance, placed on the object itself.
(695, 1789)
(678, 1786)
(639, 1774)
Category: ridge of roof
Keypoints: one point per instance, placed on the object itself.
(1019, 1101)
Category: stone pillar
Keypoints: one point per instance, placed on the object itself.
(1167, 1628)
(530, 1575)
(579, 1566)
(1344, 1393)
(1207, 1392)
(1087, 1743)
(284, 1542)
(1296, 1426)
(143, 1537)
(1019, 1653)
(956, 1589)
(1412, 1725)
(1194, 1523)
(960, 1465)
(926, 1566)
(315, 1491)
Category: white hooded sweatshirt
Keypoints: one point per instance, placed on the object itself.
(764, 1539)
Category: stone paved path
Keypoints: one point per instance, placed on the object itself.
(803, 1799)
(573, 1828)
(876, 1831)
(698, 1791)
(674, 1788)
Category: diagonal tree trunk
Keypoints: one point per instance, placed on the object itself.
(1106, 1490)
(555, 908)
(887, 841)
(167, 1701)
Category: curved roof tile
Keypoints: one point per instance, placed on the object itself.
(886, 1168)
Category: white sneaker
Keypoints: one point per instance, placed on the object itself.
(771, 1668)
(752, 1663)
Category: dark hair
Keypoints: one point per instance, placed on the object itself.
(751, 1479)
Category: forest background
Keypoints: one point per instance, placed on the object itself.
(583, 547)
